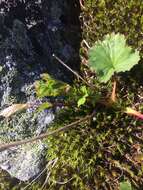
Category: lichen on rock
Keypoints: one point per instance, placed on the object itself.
(27, 41)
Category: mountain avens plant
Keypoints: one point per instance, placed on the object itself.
(112, 55)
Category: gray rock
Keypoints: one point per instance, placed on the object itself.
(23, 162)
(17, 77)
(26, 47)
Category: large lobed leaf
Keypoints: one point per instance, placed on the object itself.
(112, 55)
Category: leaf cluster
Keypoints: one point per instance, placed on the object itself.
(85, 151)
(48, 86)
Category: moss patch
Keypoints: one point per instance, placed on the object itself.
(100, 153)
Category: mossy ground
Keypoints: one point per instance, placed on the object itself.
(100, 153)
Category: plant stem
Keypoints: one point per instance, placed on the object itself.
(74, 72)
(113, 95)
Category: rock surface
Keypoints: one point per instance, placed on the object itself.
(30, 32)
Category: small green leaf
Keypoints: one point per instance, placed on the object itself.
(48, 86)
(81, 101)
(84, 90)
(112, 55)
(125, 185)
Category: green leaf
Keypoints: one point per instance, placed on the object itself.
(126, 185)
(81, 101)
(48, 86)
(112, 55)
(84, 90)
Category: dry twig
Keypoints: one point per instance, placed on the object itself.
(74, 72)
(44, 135)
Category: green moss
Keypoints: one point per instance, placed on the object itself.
(106, 16)
(100, 153)
(103, 152)
(95, 153)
